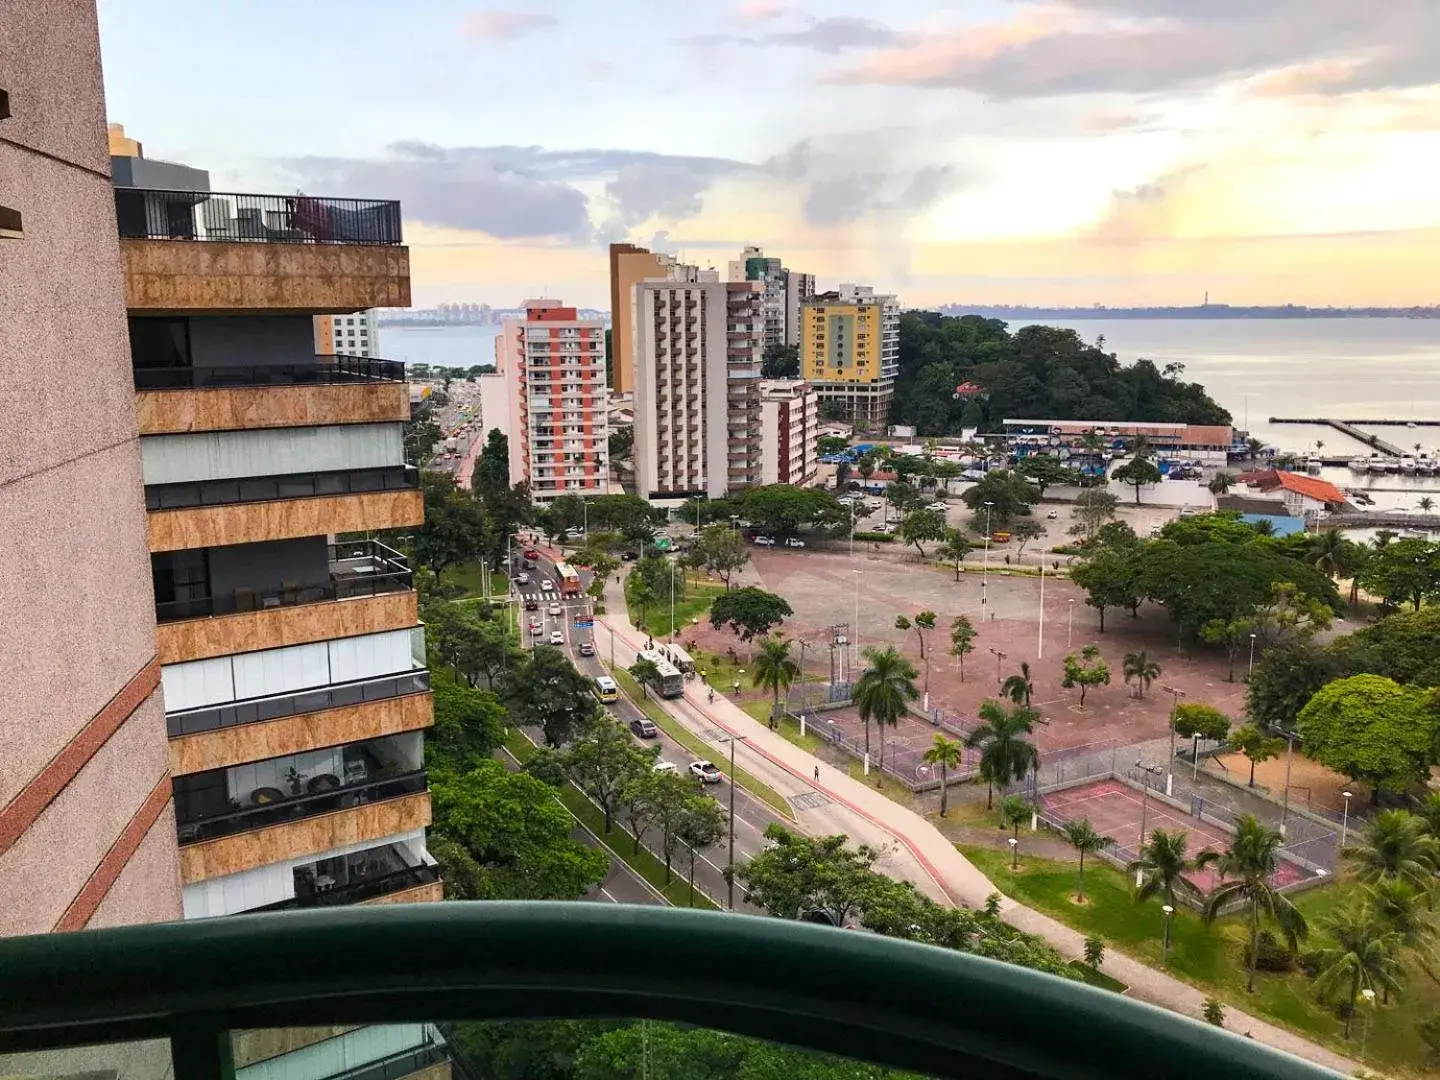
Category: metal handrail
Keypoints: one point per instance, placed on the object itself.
(275, 706)
(198, 830)
(163, 214)
(894, 1003)
(357, 891)
(244, 489)
(322, 370)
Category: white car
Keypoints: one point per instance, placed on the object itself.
(537, 628)
(794, 541)
(522, 579)
(765, 541)
(1052, 515)
(938, 507)
(705, 772)
(666, 767)
(546, 585)
(555, 609)
(557, 638)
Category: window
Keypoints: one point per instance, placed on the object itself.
(10, 223)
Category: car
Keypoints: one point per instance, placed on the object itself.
(1052, 515)
(883, 527)
(546, 585)
(557, 638)
(531, 554)
(629, 555)
(666, 767)
(587, 648)
(522, 579)
(1154, 530)
(765, 541)
(537, 627)
(794, 541)
(1187, 511)
(573, 532)
(555, 609)
(937, 507)
(705, 772)
(644, 728)
(531, 604)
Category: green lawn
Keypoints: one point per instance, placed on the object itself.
(1213, 958)
(694, 605)
(1097, 978)
(468, 575)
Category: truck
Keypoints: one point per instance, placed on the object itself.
(450, 446)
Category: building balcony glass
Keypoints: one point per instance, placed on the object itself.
(356, 878)
(288, 486)
(324, 370)
(150, 214)
(274, 707)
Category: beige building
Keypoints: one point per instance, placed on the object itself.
(789, 432)
(87, 822)
(784, 293)
(697, 393)
(629, 265)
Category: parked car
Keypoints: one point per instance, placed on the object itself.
(629, 555)
(1052, 515)
(666, 767)
(765, 541)
(574, 531)
(537, 627)
(644, 728)
(555, 609)
(705, 772)
(587, 648)
(532, 604)
(522, 579)
(937, 507)
(1187, 511)
(531, 554)
(557, 638)
(881, 528)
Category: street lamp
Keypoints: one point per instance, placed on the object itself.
(730, 867)
(1195, 756)
(734, 518)
(1345, 820)
(672, 601)
(999, 659)
(1289, 761)
(1070, 625)
(1165, 946)
(855, 626)
(985, 564)
(1251, 672)
(1014, 853)
(1175, 695)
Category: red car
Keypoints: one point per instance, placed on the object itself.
(531, 554)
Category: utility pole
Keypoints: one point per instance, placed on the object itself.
(1175, 696)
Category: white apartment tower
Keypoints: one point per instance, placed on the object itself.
(784, 291)
(353, 334)
(789, 432)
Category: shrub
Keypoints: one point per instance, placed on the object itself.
(1214, 1012)
(1066, 549)
(1273, 956)
(875, 538)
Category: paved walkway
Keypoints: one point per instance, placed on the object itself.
(915, 850)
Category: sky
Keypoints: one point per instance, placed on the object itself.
(971, 151)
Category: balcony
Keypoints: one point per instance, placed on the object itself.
(323, 371)
(275, 707)
(364, 877)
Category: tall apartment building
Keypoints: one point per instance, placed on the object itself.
(629, 265)
(87, 822)
(850, 350)
(697, 395)
(351, 334)
(553, 366)
(785, 291)
(789, 432)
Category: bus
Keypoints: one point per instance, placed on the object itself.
(670, 683)
(606, 689)
(679, 657)
(568, 578)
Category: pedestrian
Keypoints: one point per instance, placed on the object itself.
(817, 774)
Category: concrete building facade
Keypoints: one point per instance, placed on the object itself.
(553, 366)
(350, 334)
(784, 292)
(629, 265)
(789, 432)
(850, 350)
(87, 821)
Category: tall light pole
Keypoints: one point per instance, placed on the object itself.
(1070, 626)
(1014, 853)
(999, 659)
(672, 601)
(985, 565)
(1144, 813)
(1250, 674)
(585, 519)
(1289, 761)
(1175, 696)
(855, 627)
(1040, 645)
(730, 867)
(1165, 947)
(1195, 753)
(1345, 820)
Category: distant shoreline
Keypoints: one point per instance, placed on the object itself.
(1204, 313)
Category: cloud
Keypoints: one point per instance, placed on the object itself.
(864, 175)
(1155, 208)
(506, 25)
(1317, 78)
(830, 35)
(754, 11)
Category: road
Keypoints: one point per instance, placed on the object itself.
(752, 816)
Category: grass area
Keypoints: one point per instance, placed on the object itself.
(1213, 958)
(1097, 978)
(695, 603)
(677, 731)
(643, 862)
(469, 576)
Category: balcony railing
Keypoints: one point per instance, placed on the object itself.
(367, 568)
(294, 808)
(359, 890)
(257, 710)
(153, 214)
(289, 486)
(339, 369)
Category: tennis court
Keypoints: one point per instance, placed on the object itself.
(1116, 809)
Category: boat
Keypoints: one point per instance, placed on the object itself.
(1359, 464)
(1407, 463)
(1384, 465)
(1426, 465)
(1313, 465)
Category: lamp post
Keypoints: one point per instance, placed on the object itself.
(985, 565)
(1070, 626)
(1144, 813)
(1014, 853)
(1345, 820)
(1289, 761)
(585, 519)
(999, 659)
(855, 626)
(1195, 755)
(730, 865)
(1165, 945)
(672, 601)
(1250, 673)
(1369, 997)
(734, 519)
(1175, 696)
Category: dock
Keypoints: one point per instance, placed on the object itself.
(1347, 427)
(1380, 520)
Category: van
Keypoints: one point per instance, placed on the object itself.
(606, 689)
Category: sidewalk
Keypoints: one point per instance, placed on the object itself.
(949, 875)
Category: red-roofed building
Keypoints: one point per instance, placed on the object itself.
(1302, 495)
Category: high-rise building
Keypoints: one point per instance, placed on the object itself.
(799, 288)
(697, 395)
(629, 265)
(87, 822)
(553, 364)
(352, 334)
(850, 350)
(789, 432)
(784, 292)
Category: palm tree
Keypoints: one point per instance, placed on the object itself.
(947, 754)
(1319, 445)
(882, 691)
(1383, 538)
(1013, 810)
(1327, 551)
(1429, 812)
(1253, 446)
(1142, 669)
(1004, 753)
(1425, 504)
(775, 671)
(1221, 482)
(1246, 868)
(1020, 686)
(1162, 867)
(1395, 845)
(1362, 958)
(1084, 839)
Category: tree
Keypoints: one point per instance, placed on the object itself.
(1425, 504)
(884, 687)
(603, 763)
(1094, 952)
(719, 550)
(962, 640)
(1231, 633)
(1246, 868)
(1043, 470)
(621, 442)
(1256, 746)
(1014, 810)
(828, 445)
(469, 726)
(1162, 869)
(639, 595)
(1081, 835)
(920, 527)
(1139, 666)
(1395, 846)
(1362, 957)
(473, 645)
(1196, 718)
(646, 673)
(1085, 669)
(1213, 1011)
(1005, 755)
(954, 549)
(923, 624)
(1369, 728)
(749, 612)
(455, 524)
(1137, 472)
(1221, 483)
(1287, 612)
(683, 816)
(492, 472)
(544, 690)
(1020, 686)
(780, 362)
(1010, 496)
(1093, 508)
(784, 508)
(775, 671)
(1110, 578)
(1023, 532)
(1403, 571)
(517, 837)
(945, 754)
(1284, 680)
(795, 875)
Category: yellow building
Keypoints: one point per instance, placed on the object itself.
(120, 144)
(850, 350)
(629, 265)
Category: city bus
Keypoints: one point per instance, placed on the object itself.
(670, 683)
(679, 657)
(606, 690)
(568, 578)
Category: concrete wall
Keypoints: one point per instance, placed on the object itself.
(82, 722)
(171, 412)
(281, 519)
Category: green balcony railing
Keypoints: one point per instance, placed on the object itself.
(848, 993)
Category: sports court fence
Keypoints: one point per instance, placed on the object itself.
(903, 762)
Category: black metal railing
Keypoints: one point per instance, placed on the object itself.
(256, 710)
(246, 489)
(156, 214)
(359, 890)
(402, 1064)
(294, 808)
(338, 369)
(363, 568)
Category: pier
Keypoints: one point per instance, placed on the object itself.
(1379, 520)
(1347, 427)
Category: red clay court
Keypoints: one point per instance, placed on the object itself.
(1114, 809)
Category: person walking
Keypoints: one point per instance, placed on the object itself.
(817, 774)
